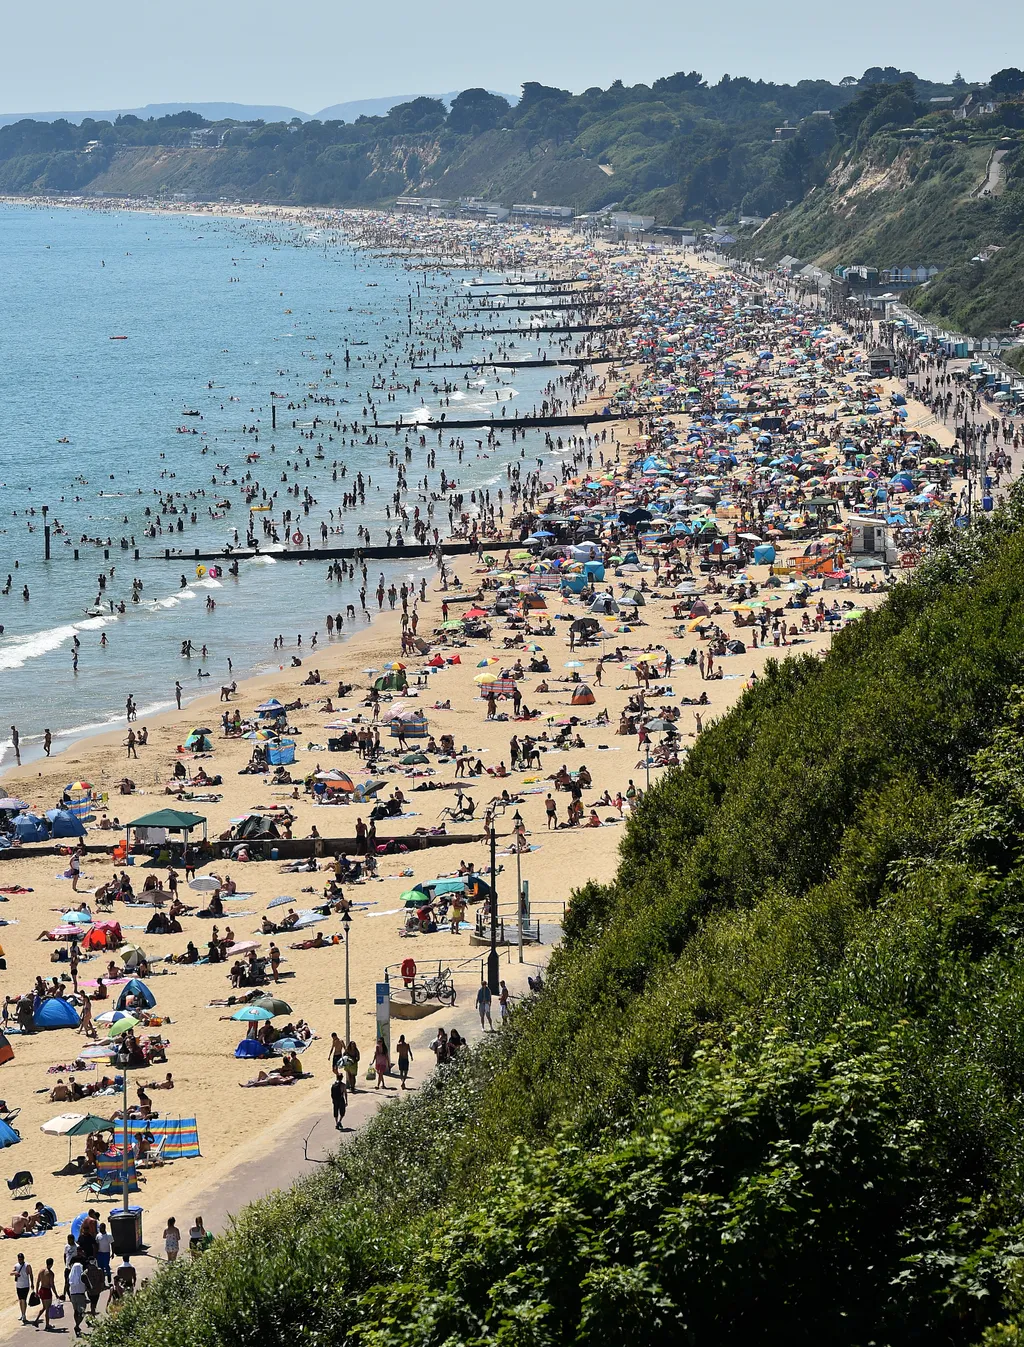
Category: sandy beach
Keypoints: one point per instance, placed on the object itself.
(252, 1141)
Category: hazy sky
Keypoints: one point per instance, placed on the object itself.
(308, 54)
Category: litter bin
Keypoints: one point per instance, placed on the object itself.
(126, 1231)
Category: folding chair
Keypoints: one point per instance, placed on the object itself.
(21, 1184)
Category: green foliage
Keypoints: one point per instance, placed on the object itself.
(774, 1086)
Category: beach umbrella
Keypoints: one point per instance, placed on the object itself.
(243, 947)
(486, 678)
(274, 1004)
(76, 918)
(204, 883)
(97, 1051)
(62, 1124)
(75, 1125)
(85, 1127)
(574, 664)
(414, 759)
(122, 1026)
(252, 1013)
(284, 1045)
(11, 803)
(113, 1016)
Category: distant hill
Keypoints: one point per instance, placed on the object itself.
(886, 170)
(212, 112)
(380, 107)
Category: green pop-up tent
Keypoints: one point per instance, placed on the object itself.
(171, 820)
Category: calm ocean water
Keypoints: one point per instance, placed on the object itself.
(213, 310)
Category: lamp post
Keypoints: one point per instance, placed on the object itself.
(346, 922)
(122, 1058)
(492, 957)
(517, 819)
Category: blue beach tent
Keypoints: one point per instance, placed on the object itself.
(56, 1013)
(29, 828)
(144, 998)
(252, 1047)
(64, 824)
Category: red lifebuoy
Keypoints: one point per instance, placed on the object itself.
(409, 971)
(297, 539)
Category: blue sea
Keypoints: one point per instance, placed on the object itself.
(216, 313)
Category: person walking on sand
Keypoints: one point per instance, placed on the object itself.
(177, 694)
(381, 1064)
(404, 1054)
(45, 1290)
(16, 744)
(172, 1240)
(47, 744)
(350, 1063)
(336, 1052)
(197, 1238)
(483, 1005)
(551, 810)
(75, 870)
(78, 1292)
(86, 1025)
(339, 1102)
(23, 1281)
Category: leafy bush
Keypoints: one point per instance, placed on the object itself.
(774, 1086)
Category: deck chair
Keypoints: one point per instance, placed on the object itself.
(156, 1155)
(21, 1184)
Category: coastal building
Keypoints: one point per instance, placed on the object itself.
(532, 211)
(489, 210)
(907, 275)
(626, 222)
(426, 203)
(881, 361)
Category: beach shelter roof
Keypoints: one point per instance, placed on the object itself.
(174, 820)
(6, 1051)
(8, 1136)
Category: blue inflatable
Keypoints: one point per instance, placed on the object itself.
(56, 1013)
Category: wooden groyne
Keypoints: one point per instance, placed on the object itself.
(578, 361)
(548, 308)
(564, 280)
(536, 331)
(408, 551)
(507, 422)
